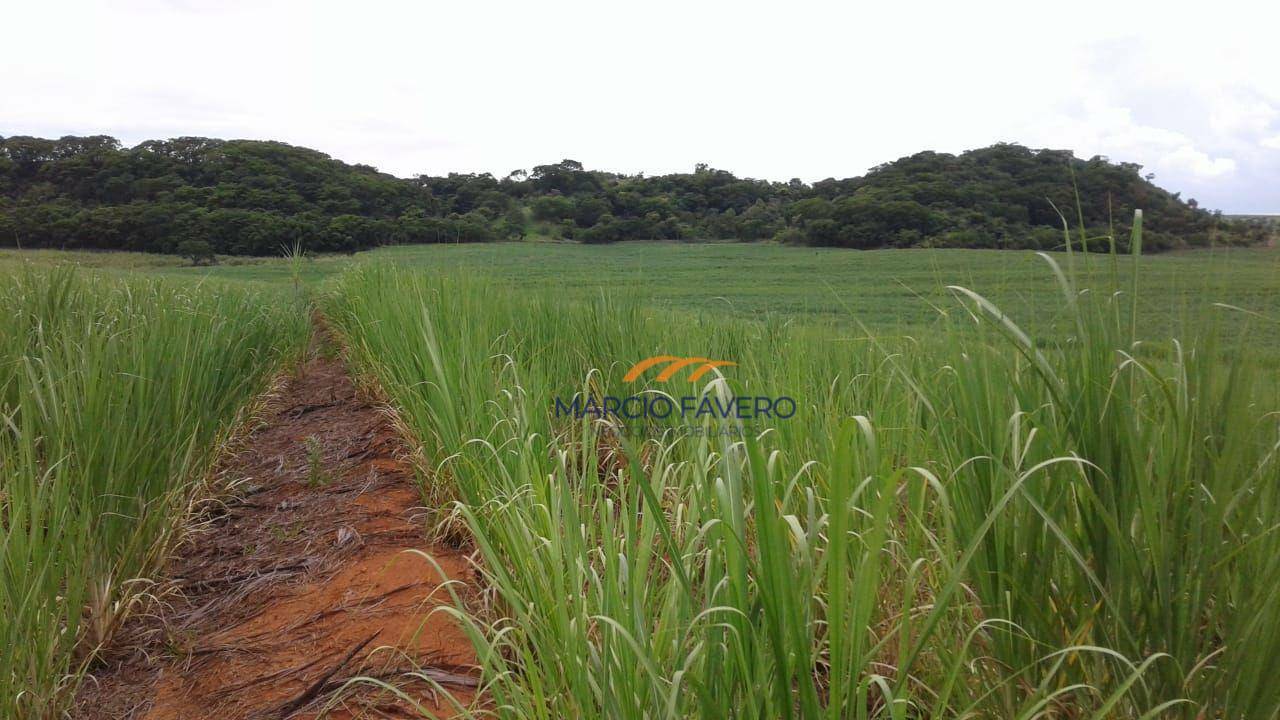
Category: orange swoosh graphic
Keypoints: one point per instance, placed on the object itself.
(708, 366)
(674, 365)
(638, 369)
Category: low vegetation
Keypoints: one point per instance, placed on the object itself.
(888, 291)
(113, 395)
(1032, 502)
(955, 525)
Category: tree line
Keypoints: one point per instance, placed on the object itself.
(243, 197)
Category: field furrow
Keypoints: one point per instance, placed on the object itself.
(314, 572)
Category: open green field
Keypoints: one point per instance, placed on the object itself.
(969, 514)
(895, 291)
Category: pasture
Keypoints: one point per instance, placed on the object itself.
(889, 291)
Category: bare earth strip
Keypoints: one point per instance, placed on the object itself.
(302, 582)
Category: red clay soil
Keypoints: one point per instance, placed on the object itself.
(307, 578)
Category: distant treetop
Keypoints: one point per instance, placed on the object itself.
(252, 197)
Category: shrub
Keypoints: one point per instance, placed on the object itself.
(789, 236)
(197, 251)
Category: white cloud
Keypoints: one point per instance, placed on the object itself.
(807, 88)
(1099, 128)
(1198, 163)
(1232, 114)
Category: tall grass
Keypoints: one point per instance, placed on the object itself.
(1160, 536)
(112, 396)
(971, 524)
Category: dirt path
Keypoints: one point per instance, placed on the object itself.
(300, 583)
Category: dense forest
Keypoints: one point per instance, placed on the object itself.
(246, 197)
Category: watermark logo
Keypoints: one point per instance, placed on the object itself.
(651, 412)
(675, 364)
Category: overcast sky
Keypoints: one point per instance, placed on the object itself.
(772, 90)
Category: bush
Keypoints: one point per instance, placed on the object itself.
(789, 236)
(823, 232)
(197, 251)
(1041, 237)
(963, 238)
(605, 231)
(552, 207)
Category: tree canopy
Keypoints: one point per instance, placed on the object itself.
(252, 197)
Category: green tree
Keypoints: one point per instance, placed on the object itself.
(198, 252)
